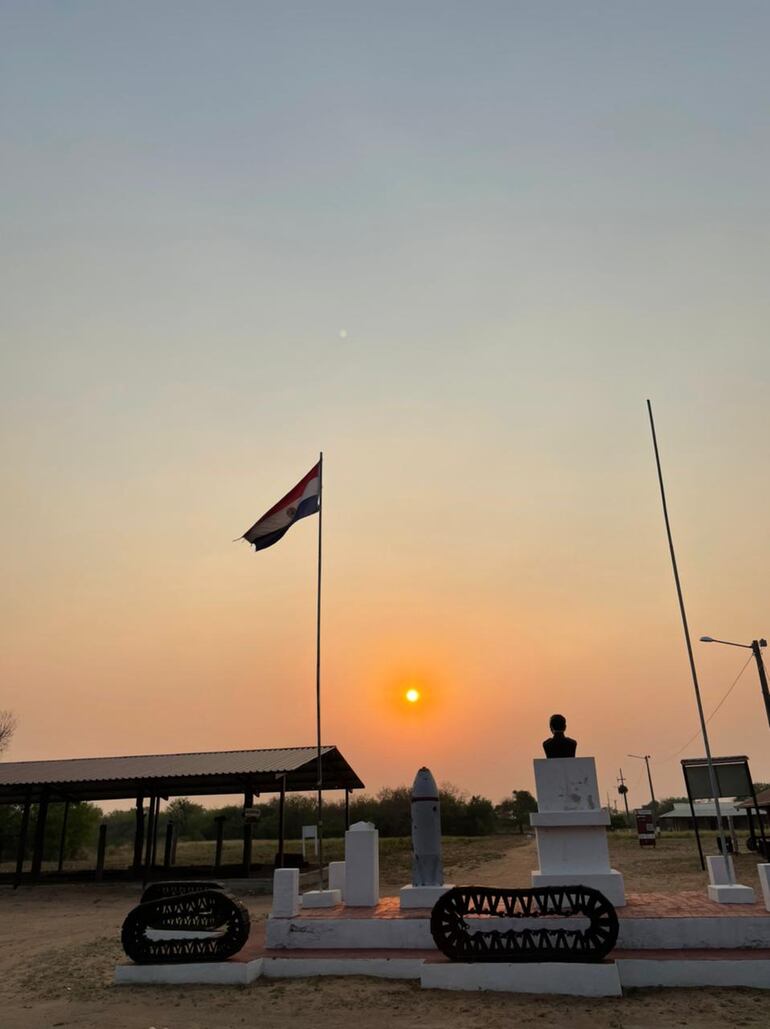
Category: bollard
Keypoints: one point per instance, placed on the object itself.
(169, 845)
(101, 847)
(220, 821)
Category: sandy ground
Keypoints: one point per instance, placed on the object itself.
(59, 946)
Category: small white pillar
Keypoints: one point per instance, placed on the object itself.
(321, 899)
(722, 885)
(337, 876)
(362, 865)
(764, 882)
(286, 901)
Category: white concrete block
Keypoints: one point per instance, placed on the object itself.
(337, 876)
(421, 896)
(609, 883)
(573, 850)
(208, 973)
(719, 932)
(646, 972)
(764, 882)
(575, 980)
(721, 870)
(570, 818)
(285, 893)
(362, 865)
(350, 933)
(321, 898)
(380, 968)
(567, 784)
(735, 894)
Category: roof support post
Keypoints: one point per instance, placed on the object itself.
(248, 803)
(347, 809)
(22, 845)
(138, 835)
(155, 833)
(281, 824)
(42, 816)
(63, 837)
(220, 824)
(101, 848)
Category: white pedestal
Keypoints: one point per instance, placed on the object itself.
(321, 898)
(421, 896)
(337, 876)
(571, 828)
(722, 885)
(362, 865)
(286, 902)
(764, 882)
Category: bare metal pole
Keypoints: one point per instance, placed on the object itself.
(318, 680)
(704, 731)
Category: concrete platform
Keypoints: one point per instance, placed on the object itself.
(648, 921)
(665, 940)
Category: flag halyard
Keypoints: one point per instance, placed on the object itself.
(299, 502)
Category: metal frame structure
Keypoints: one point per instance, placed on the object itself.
(741, 762)
(148, 779)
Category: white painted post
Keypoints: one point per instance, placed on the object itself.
(285, 893)
(337, 876)
(764, 882)
(362, 865)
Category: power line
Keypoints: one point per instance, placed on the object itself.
(721, 702)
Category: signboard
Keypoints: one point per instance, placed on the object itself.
(645, 828)
(732, 776)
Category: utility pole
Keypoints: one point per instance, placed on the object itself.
(646, 759)
(623, 791)
(756, 647)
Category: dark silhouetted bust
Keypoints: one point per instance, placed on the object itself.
(559, 745)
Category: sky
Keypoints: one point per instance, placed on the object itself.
(454, 246)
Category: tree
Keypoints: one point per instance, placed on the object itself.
(516, 810)
(7, 728)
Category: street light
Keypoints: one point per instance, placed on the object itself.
(756, 648)
(646, 759)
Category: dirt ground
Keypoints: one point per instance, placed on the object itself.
(59, 946)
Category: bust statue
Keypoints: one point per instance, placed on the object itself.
(559, 745)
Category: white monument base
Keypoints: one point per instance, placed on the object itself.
(571, 828)
(609, 883)
(421, 896)
(321, 898)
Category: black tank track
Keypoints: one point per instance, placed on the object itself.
(190, 906)
(458, 917)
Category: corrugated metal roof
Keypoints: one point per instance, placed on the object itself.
(704, 809)
(152, 766)
(763, 799)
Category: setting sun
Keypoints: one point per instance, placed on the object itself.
(412, 695)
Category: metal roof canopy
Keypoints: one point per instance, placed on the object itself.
(178, 775)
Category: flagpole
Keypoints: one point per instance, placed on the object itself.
(704, 731)
(318, 679)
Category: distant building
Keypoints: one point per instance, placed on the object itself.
(705, 812)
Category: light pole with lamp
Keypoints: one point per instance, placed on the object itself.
(756, 648)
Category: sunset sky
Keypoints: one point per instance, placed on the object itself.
(455, 246)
